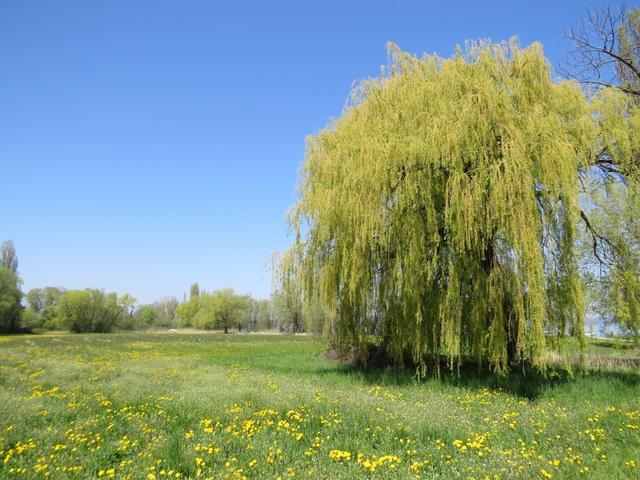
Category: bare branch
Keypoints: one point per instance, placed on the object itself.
(597, 58)
(598, 242)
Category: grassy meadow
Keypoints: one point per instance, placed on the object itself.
(213, 406)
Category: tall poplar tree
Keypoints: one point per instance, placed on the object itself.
(8, 257)
(438, 215)
(10, 293)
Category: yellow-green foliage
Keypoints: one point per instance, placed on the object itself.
(438, 214)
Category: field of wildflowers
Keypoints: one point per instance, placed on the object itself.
(209, 406)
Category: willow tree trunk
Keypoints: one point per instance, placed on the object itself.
(489, 263)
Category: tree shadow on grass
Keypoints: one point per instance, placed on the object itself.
(523, 381)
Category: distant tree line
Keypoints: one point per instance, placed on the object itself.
(94, 310)
(227, 310)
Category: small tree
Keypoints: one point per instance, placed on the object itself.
(127, 303)
(287, 296)
(145, 317)
(266, 318)
(187, 310)
(205, 314)
(222, 309)
(41, 307)
(166, 312)
(252, 314)
(35, 300)
(287, 305)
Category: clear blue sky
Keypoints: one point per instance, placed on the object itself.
(146, 145)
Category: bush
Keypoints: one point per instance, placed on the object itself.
(84, 311)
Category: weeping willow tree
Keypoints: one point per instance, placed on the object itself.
(438, 215)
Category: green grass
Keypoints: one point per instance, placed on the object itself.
(144, 406)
